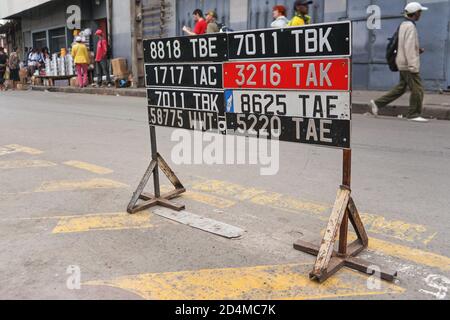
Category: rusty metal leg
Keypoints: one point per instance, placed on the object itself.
(169, 173)
(142, 184)
(346, 182)
(155, 158)
(327, 245)
(355, 219)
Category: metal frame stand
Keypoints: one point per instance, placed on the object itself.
(329, 261)
(150, 200)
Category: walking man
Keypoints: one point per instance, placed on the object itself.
(408, 63)
(101, 59)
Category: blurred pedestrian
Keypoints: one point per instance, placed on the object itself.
(101, 59)
(14, 68)
(200, 24)
(80, 54)
(211, 20)
(279, 14)
(408, 63)
(3, 65)
(34, 59)
(301, 11)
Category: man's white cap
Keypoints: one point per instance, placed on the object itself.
(78, 39)
(413, 7)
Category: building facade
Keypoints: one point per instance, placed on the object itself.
(128, 22)
(370, 70)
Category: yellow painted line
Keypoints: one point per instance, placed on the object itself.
(224, 188)
(397, 229)
(213, 201)
(16, 148)
(411, 254)
(374, 223)
(102, 222)
(88, 167)
(68, 185)
(21, 164)
(257, 196)
(251, 283)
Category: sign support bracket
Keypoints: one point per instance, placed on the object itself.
(150, 200)
(329, 261)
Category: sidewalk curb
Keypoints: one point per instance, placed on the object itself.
(439, 112)
(100, 91)
(429, 111)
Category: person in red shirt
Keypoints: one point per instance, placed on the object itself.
(101, 59)
(200, 24)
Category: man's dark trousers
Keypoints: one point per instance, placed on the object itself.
(414, 83)
(102, 68)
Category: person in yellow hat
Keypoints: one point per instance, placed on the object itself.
(211, 18)
(81, 57)
(301, 10)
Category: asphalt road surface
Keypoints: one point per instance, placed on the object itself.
(69, 165)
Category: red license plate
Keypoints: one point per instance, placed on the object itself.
(323, 74)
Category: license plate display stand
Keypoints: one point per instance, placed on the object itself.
(156, 199)
(291, 84)
(328, 261)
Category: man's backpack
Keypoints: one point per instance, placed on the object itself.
(392, 50)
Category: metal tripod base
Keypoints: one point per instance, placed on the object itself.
(151, 200)
(337, 263)
(163, 201)
(328, 261)
(157, 199)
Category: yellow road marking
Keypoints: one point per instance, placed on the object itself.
(54, 186)
(398, 229)
(88, 167)
(251, 283)
(113, 221)
(257, 196)
(223, 188)
(374, 223)
(213, 201)
(411, 254)
(20, 164)
(210, 200)
(15, 148)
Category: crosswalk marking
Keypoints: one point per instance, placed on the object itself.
(248, 283)
(88, 167)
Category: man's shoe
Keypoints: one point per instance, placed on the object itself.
(419, 119)
(374, 108)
